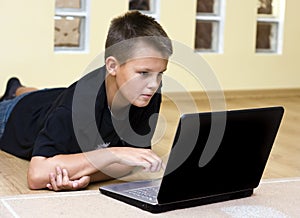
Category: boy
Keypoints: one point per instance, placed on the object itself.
(43, 125)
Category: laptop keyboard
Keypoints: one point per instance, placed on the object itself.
(147, 193)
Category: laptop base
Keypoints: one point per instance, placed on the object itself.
(159, 208)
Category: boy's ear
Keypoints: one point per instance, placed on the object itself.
(111, 65)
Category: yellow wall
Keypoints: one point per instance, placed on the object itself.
(26, 43)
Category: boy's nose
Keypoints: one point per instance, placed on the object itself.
(153, 83)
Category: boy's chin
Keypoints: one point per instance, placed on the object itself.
(140, 103)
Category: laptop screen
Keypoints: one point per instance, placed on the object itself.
(238, 162)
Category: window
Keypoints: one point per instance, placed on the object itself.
(70, 23)
(149, 7)
(209, 25)
(269, 28)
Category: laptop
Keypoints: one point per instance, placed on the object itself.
(215, 156)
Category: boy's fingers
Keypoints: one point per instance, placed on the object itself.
(82, 182)
(155, 162)
(49, 186)
(75, 185)
(58, 176)
(53, 181)
(61, 181)
(65, 178)
(146, 165)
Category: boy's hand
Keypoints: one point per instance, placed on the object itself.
(60, 181)
(140, 157)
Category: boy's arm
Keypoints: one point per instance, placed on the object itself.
(60, 179)
(111, 161)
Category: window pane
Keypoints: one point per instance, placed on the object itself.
(68, 4)
(142, 5)
(265, 7)
(206, 33)
(206, 6)
(67, 31)
(266, 36)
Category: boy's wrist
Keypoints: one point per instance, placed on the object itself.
(112, 154)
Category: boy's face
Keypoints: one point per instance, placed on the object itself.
(139, 78)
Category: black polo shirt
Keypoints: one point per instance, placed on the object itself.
(63, 121)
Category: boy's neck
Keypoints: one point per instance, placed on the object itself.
(115, 100)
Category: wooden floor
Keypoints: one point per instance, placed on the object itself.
(283, 162)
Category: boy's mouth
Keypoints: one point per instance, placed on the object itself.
(148, 96)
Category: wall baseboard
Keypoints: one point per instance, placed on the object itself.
(233, 94)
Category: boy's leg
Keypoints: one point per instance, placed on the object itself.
(15, 88)
(12, 85)
(22, 90)
(6, 107)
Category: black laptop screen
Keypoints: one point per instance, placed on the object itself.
(238, 163)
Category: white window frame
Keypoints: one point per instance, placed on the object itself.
(84, 29)
(218, 33)
(155, 12)
(277, 19)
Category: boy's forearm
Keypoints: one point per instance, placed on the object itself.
(77, 165)
(113, 160)
(111, 172)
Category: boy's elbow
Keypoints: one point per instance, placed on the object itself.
(34, 181)
(37, 178)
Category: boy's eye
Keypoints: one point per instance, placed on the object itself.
(144, 73)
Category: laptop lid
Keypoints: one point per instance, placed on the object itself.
(235, 164)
